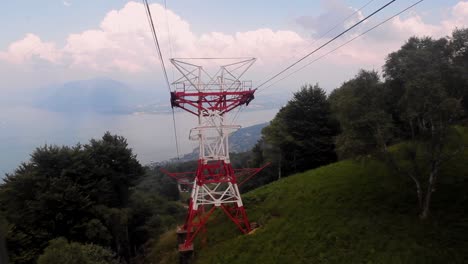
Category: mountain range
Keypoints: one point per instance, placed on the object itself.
(104, 96)
(107, 96)
(240, 141)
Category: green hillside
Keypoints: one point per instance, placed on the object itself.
(347, 212)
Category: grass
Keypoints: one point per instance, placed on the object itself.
(347, 212)
(164, 251)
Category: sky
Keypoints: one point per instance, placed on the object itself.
(55, 41)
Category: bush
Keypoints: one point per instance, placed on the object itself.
(61, 251)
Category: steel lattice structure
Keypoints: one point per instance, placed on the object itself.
(215, 182)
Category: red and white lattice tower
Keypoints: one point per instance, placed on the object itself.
(215, 182)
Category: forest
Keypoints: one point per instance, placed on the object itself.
(95, 203)
(416, 106)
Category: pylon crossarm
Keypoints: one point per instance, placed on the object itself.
(223, 102)
(249, 173)
(180, 177)
(210, 98)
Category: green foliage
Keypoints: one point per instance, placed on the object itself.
(421, 101)
(357, 105)
(430, 105)
(115, 164)
(362, 210)
(347, 212)
(155, 181)
(86, 193)
(3, 232)
(459, 54)
(164, 250)
(258, 157)
(152, 216)
(3, 226)
(61, 251)
(301, 135)
(426, 71)
(99, 196)
(411, 156)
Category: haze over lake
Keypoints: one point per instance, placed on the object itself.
(151, 136)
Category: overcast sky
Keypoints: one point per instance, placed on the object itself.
(53, 41)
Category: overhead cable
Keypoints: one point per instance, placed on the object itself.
(323, 35)
(347, 42)
(169, 36)
(325, 44)
(163, 66)
(156, 42)
(342, 21)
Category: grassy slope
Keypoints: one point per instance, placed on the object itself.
(347, 212)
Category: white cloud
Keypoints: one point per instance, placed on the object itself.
(123, 43)
(335, 11)
(29, 48)
(459, 16)
(371, 49)
(66, 3)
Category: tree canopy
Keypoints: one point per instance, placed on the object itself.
(416, 105)
(95, 203)
(86, 194)
(302, 132)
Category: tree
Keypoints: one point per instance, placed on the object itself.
(358, 106)
(156, 182)
(301, 134)
(81, 193)
(3, 232)
(61, 251)
(275, 142)
(42, 200)
(458, 48)
(429, 105)
(113, 162)
(152, 215)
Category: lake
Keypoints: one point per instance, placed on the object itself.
(151, 136)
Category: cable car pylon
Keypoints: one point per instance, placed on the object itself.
(215, 183)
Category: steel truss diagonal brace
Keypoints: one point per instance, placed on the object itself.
(211, 97)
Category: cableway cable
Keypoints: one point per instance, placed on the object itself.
(213, 58)
(163, 66)
(323, 35)
(169, 36)
(342, 21)
(347, 42)
(156, 43)
(325, 44)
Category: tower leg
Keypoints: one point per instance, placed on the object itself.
(186, 256)
(210, 98)
(238, 216)
(196, 221)
(215, 187)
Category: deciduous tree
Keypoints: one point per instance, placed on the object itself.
(300, 137)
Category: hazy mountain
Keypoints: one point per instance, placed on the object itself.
(242, 140)
(245, 138)
(113, 97)
(96, 95)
